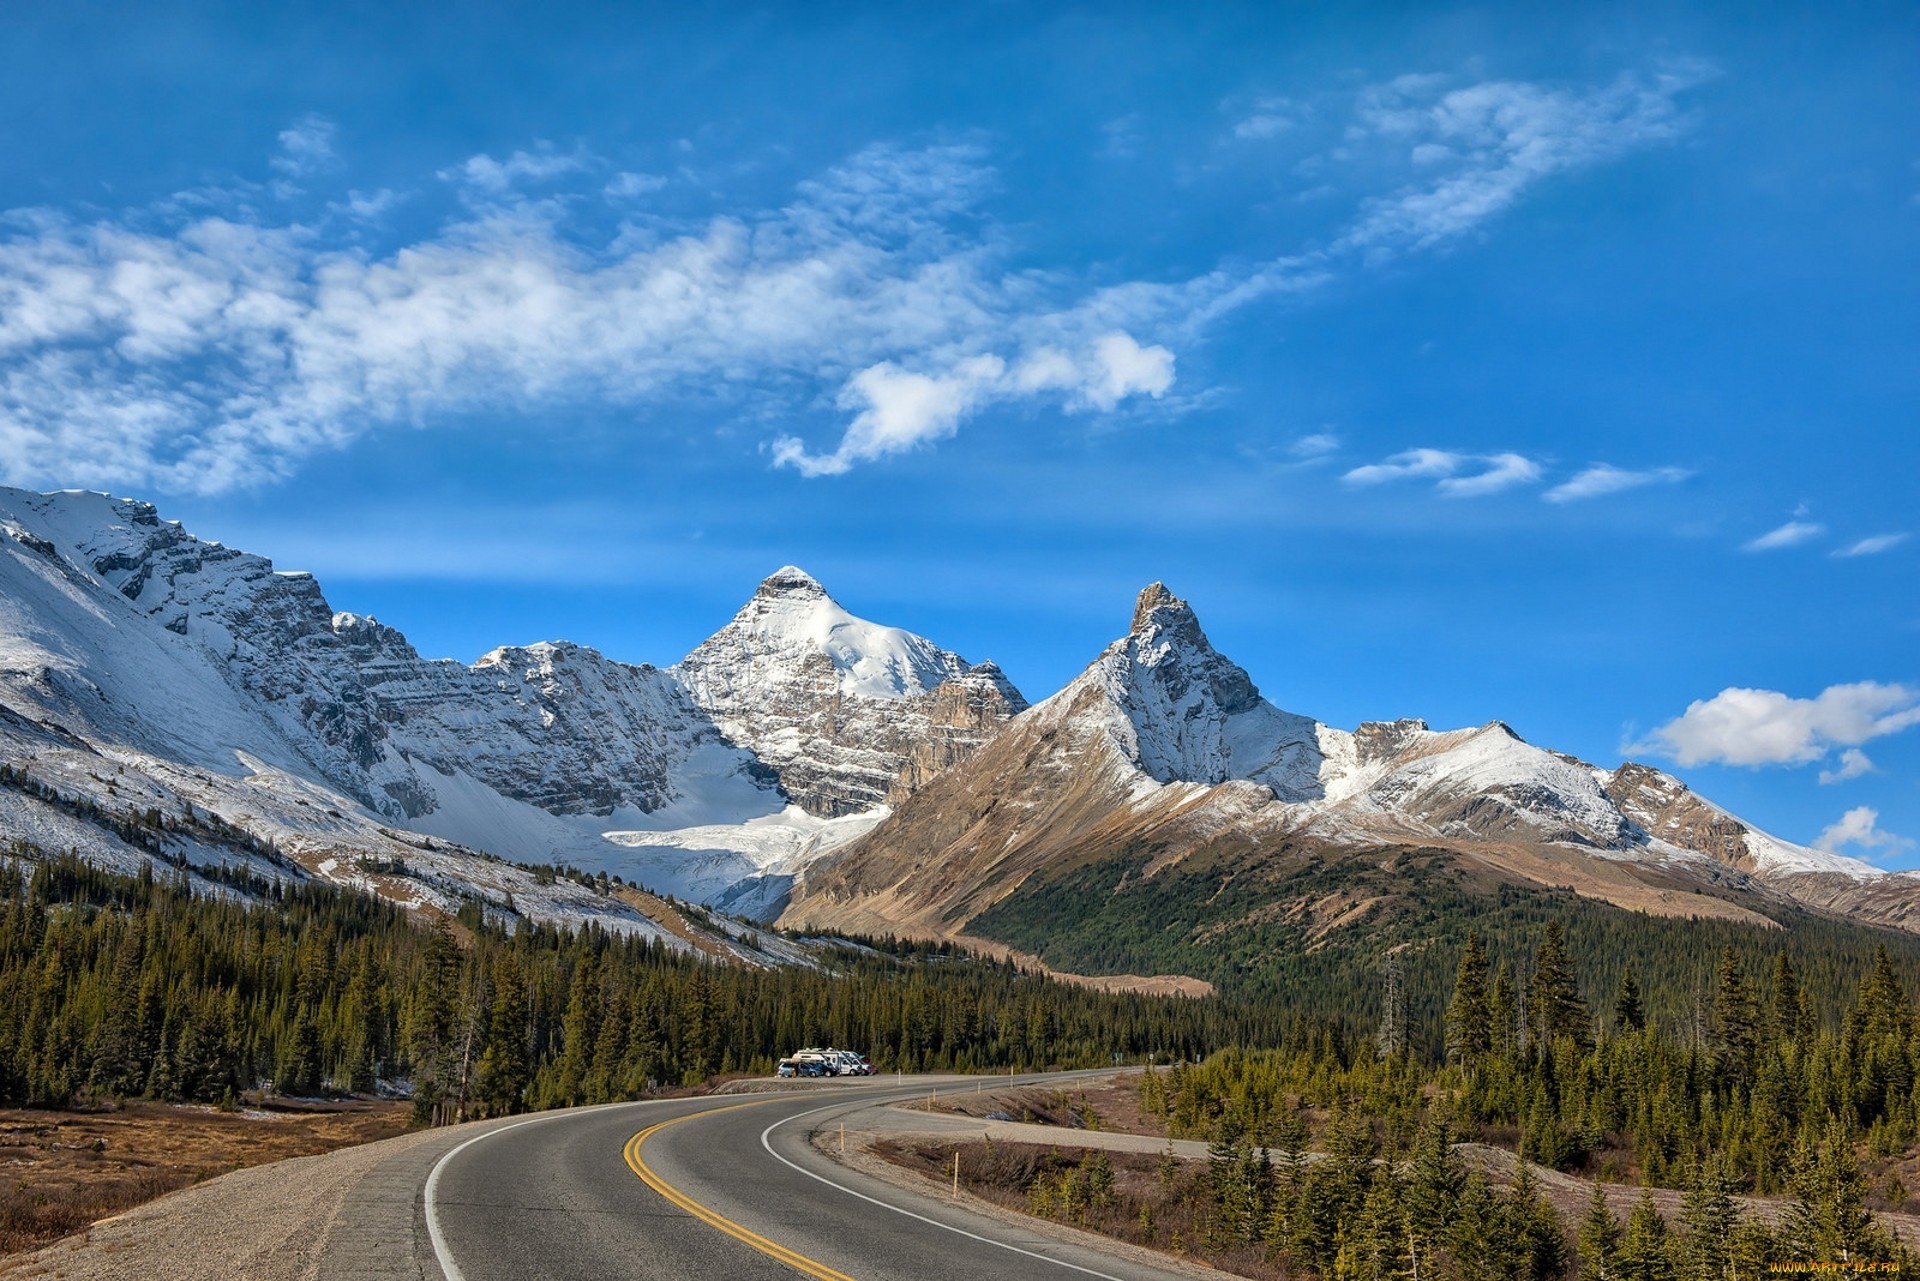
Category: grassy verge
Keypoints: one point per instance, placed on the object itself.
(61, 1171)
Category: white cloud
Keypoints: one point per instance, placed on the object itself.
(366, 207)
(1791, 534)
(1408, 465)
(624, 186)
(1860, 827)
(1502, 471)
(1873, 546)
(180, 347)
(306, 147)
(1853, 764)
(1454, 475)
(1269, 118)
(900, 409)
(494, 177)
(1604, 478)
(1123, 368)
(1494, 140)
(1314, 447)
(1764, 727)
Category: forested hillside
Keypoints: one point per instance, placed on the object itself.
(1296, 925)
(1779, 1129)
(115, 986)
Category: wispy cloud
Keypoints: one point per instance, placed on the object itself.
(1860, 828)
(197, 346)
(306, 147)
(1765, 727)
(1873, 546)
(1488, 143)
(625, 185)
(1791, 534)
(1315, 447)
(1269, 118)
(542, 164)
(1604, 478)
(1502, 471)
(1454, 475)
(223, 353)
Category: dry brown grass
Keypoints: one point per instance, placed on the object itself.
(60, 1171)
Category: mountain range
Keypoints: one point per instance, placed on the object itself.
(165, 698)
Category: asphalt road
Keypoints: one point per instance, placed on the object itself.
(724, 1187)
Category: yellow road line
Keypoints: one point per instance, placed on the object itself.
(772, 1249)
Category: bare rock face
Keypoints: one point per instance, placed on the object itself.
(846, 713)
(1666, 809)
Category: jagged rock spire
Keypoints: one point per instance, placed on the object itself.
(1152, 597)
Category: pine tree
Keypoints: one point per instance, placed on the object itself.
(1709, 1220)
(1645, 1254)
(1377, 1244)
(1628, 1013)
(505, 1071)
(1469, 1014)
(1554, 1006)
(1537, 1242)
(1788, 1010)
(1599, 1240)
(1733, 1024)
(1431, 1199)
(1828, 1219)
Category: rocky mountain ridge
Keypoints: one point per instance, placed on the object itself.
(1163, 745)
(801, 760)
(128, 635)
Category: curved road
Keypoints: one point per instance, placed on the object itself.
(719, 1187)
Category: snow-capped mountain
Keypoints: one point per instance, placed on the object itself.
(166, 697)
(1164, 744)
(848, 714)
(123, 633)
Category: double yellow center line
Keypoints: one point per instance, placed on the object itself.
(772, 1249)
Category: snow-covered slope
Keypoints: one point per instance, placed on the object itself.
(846, 713)
(128, 633)
(143, 669)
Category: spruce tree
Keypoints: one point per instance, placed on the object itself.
(1709, 1222)
(1733, 1024)
(1554, 1007)
(1629, 1015)
(1645, 1254)
(1599, 1240)
(1469, 1014)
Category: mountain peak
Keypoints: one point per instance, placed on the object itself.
(1153, 598)
(791, 580)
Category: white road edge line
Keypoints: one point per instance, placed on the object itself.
(442, 1253)
(1044, 1258)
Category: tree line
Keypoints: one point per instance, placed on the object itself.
(115, 986)
(1760, 1097)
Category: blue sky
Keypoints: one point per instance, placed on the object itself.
(1456, 362)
